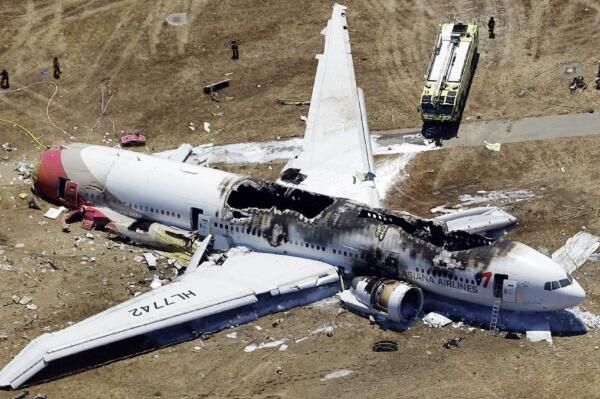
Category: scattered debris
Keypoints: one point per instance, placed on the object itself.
(216, 86)
(24, 171)
(279, 370)
(436, 320)
(31, 306)
(576, 251)
(89, 235)
(8, 148)
(155, 283)
(135, 139)
(24, 300)
(262, 345)
(492, 146)
(577, 83)
(54, 213)
(337, 374)
(283, 348)
(292, 102)
(34, 203)
(207, 127)
(512, 335)
(452, 342)
(5, 268)
(537, 336)
(22, 395)
(385, 346)
(232, 335)
(23, 196)
(150, 260)
(19, 245)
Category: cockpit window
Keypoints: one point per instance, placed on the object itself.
(554, 285)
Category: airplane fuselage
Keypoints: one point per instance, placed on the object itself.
(271, 217)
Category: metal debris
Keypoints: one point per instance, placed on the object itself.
(385, 346)
(452, 342)
(54, 213)
(436, 320)
(150, 260)
(292, 102)
(8, 148)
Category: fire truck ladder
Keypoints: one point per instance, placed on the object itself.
(495, 315)
(448, 61)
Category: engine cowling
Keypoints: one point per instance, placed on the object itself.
(397, 300)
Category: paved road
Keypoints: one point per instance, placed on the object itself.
(504, 131)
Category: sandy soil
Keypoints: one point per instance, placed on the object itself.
(159, 71)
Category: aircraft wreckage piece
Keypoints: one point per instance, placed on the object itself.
(245, 287)
(487, 220)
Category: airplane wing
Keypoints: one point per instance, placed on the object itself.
(336, 157)
(246, 286)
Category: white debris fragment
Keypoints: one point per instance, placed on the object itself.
(24, 170)
(24, 300)
(492, 146)
(19, 245)
(537, 336)
(258, 328)
(89, 235)
(5, 268)
(207, 127)
(155, 283)
(503, 196)
(576, 251)
(232, 335)
(262, 345)
(283, 348)
(31, 306)
(177, 19)
(337, 374)
(150, 260)
(8, 148)
(324, 329)
(53, 213)
(436, 320)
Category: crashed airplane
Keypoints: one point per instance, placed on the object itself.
(320, 221)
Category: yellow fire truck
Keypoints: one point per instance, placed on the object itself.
(449, 73)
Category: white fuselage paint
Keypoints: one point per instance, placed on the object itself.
(143, 186)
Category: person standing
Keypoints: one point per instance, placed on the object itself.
(4, 82)
(57, 70)
(491, 26)
(234, 45)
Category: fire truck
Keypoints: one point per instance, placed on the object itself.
(449, 73)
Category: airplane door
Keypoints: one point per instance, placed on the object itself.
(509, 291)
(71, 193)
(203, 225)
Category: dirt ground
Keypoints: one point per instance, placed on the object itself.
(157, 72)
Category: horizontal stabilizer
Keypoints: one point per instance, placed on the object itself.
(245, 287)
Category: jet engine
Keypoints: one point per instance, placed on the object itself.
(392, 299)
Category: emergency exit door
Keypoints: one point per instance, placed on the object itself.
(509, 291)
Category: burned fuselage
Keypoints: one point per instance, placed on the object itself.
(282, 219)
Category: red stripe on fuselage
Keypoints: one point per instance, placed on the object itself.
(50, 171)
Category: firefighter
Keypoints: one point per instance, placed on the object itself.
(491, 25)
(234, 44)
(57, 71)
(4, 83)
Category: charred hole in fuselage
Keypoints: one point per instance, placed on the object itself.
(429, 231)
(251, 194)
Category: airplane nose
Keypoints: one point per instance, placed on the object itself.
(49, 171)
(572, 295)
